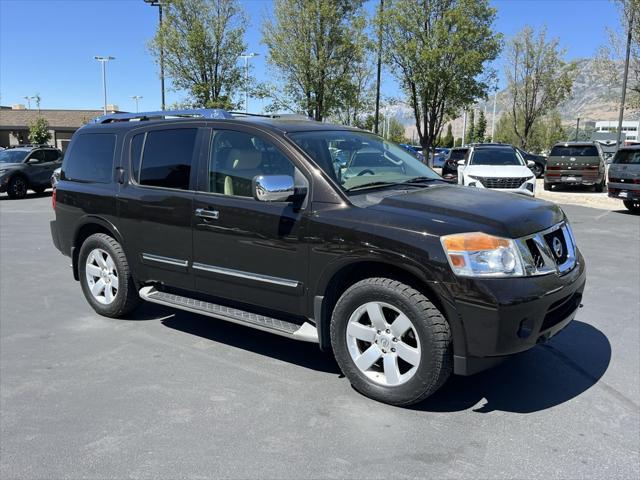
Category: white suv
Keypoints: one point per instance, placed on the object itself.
(497, 166)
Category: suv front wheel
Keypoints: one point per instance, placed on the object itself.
(390, 341)
(105, 276)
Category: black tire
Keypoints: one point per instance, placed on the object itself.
(538, 170)
(39, 190)
(435, 364)
(17, 187)
(126, 298)
(599, 188)
(548, 186)
(632, 205)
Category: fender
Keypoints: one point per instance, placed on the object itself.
(92, 220)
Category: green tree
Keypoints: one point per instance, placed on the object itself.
(458, 142)
(317, 48)
(481, 128)
(438, 49)
(471, 128)
(39, 133)
(201, 41)
(447, 141)
(396, 131)
(538, 79)
(547, 131)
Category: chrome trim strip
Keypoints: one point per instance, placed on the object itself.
(248, 275)
(167, 260)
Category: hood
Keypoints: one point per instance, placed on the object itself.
(457, 209)
(498, 171)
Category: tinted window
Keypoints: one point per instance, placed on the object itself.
(90, 158)
(458, 154)
(37, 155)
(51, 155)
(237, 157)
(574, 151)
(166, 158)
(627, 157)
(495, 156)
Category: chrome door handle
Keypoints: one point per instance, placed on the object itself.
(208, 214)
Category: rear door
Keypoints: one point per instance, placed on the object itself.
(244, 249)
(155, 201)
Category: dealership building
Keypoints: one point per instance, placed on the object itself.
(630, 128)
(15, 121)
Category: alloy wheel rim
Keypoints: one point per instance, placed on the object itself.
(102, 276)
(383, 343)
(19, 186)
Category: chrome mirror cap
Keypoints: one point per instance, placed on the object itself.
(273, 188)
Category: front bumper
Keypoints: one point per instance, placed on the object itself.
(522, 190)
(507, 316)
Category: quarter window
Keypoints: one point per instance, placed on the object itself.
(236, 158)
(90, 158)
(166, 158)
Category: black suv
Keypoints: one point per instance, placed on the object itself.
(27, 167)
(404, 277)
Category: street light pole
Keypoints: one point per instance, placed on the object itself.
(136, 98)
(624, 79)
(379, 69)
(103, 61)
(28, 99)
(493, 117)
(246, 57)
(157, 3)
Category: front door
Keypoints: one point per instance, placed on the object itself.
(155, 202)
(244, 249)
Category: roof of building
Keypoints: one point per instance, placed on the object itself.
(57, 119)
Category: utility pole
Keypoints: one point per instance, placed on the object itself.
(379, 69)
(103, 61)
(158, 3)
(493, 117)
(464, 128)
(136, 98)
(246, 57)
(626, 74)
(577, 128)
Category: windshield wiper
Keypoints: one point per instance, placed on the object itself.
(371, 184)
(421, 179)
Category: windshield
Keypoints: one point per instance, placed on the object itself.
(12, 156)
(574, 151)
(360, 160)
(495, 156)
(627, 157)
(458, 154)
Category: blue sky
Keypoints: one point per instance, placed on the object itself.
(47, 46)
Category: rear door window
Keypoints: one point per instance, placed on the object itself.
(51, 155)
(627, 157)
(90, 158)
(574, 151)
(166, 157)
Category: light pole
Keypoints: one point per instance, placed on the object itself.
(624, 78)
(157, 3)
(28, 99)
(246, 57)
(103, 61)
(376, 119)
(493, 117)
(136, 98)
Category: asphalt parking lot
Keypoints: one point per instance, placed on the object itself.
(168, 394)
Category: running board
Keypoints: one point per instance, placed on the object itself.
(305, 332)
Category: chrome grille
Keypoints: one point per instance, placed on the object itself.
(549, 251)
(501, 182)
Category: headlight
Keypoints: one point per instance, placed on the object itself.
(480, 255)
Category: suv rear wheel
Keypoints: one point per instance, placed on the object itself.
(17, 187)
(105, 276)
(632, 205)
(599, 187)
(390, 341)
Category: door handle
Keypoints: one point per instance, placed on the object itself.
(208, 214)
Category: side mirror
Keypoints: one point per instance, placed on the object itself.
(531, 163)
(31, 161)
(460, 162)
(273, 188)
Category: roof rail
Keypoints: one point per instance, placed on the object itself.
(194, 112)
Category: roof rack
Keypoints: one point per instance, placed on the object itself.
(194, 112)
(215, 113)
(31, 145)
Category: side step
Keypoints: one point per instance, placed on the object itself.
(305, 332)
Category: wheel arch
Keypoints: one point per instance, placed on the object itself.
(333, 285)
(88, 226)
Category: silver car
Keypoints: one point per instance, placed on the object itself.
(624, 177)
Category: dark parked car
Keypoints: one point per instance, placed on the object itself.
(27, 167)
(540, 162)
(575, 163)
(405, 278)
(450, 168)
(413, 150)
(624, 177)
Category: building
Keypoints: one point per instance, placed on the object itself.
(15, 121)
(630, 128)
